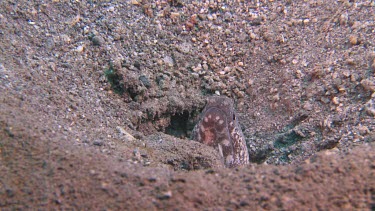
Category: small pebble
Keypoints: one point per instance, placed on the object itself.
(346, 73)
(336, 100)
(165, 195)
(135, 2)
(324, 100)
(137, 154)
(137, 65)
(354, 77)
(127, 136)
(174, 15)
(98, 143)
(2, 68)
(363, 130)
(169, 61)
(205, 66)
(370, 107)
(227, 69)
(276, 97)
(299, 74)
(145, 81)
(341, 88)
(368, 84)
(197, 68)
(111, 9)
(79, 49)
(308, 106)
(344, 19)
(353, 39)
(97, 40)
(86, 29)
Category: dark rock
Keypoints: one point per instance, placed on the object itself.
(98, 143)
(97, 40)
(145, 81)
(137, 65)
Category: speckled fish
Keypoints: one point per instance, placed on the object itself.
(218, 127)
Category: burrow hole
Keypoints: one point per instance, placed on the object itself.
(182, 124)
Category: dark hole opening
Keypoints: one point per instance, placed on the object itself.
(181, 125)
(115, 80)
